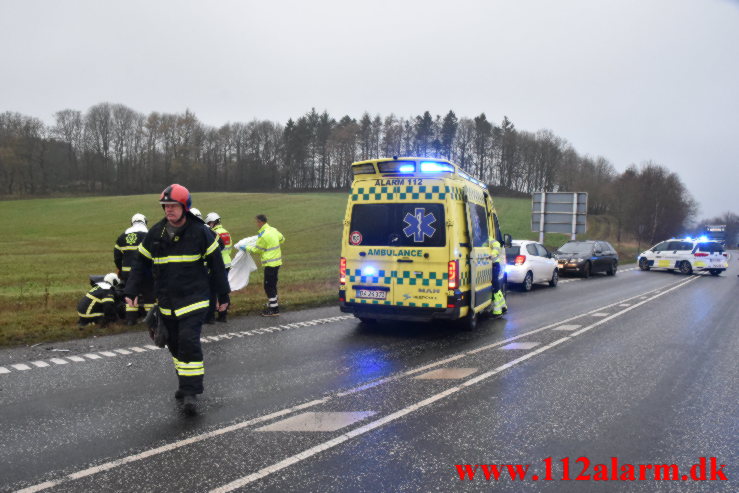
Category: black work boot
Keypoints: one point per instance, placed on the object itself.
(271, 312)
(179, 394)
(188, 404)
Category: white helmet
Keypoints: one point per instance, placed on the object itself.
(212, 217)
(196, 212)
(112, 279)
(138, 218)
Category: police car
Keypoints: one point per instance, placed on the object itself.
(416, 243)
(686, 255)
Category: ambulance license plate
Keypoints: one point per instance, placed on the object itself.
(372, 294)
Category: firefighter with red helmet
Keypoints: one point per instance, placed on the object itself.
(181, 257)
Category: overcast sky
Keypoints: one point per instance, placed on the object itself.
(628, 80)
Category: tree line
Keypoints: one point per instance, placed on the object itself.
(113, 149)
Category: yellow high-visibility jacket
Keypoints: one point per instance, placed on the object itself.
(268, 246)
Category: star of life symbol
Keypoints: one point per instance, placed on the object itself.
(419, 224)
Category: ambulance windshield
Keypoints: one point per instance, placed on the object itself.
(398, 225)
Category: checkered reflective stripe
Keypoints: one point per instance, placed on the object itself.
(404, 278)
(409, 278)
(407, 192)
(484, 272)
(475, 195)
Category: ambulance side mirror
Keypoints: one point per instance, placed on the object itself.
(507, 240)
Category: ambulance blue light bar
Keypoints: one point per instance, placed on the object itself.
(434, 167)
(396, 167)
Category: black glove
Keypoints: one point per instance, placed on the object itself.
(160, 334)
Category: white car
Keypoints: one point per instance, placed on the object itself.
(686, 255)
(528, 262)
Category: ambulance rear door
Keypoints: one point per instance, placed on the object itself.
(401, 254)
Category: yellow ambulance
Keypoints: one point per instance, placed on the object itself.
(415, 243)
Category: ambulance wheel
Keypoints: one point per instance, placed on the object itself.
(643, 264)
(528, 282)
(367, 320)
(469, 323)
(686, 268)
(715, 272)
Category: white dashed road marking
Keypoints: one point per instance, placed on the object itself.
(325, 421)
(567, 327)
(447, 374)
(520, 345)
(149, 347)
(599, 314)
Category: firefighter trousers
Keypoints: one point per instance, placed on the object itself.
(184, 344)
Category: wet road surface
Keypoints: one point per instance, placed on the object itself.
(641, 366)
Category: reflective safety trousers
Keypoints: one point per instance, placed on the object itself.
(499, 303)
(268, 246)
(183, 341)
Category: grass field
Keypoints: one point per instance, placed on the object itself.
(50, 246)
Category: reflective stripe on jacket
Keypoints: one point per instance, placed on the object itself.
(97, 302)
(226, 240)
(268, 246)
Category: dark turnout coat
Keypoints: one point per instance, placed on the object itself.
(183, 269)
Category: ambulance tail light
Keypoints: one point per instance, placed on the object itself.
(520, 259)
(342, 271)
(701, 254)
(453, 274)
(726, 254)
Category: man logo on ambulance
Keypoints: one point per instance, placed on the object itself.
(419, 225)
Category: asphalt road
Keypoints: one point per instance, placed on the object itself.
(641, 367)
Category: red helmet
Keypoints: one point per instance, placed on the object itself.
(176, 194)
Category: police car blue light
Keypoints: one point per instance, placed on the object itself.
(432, 167)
